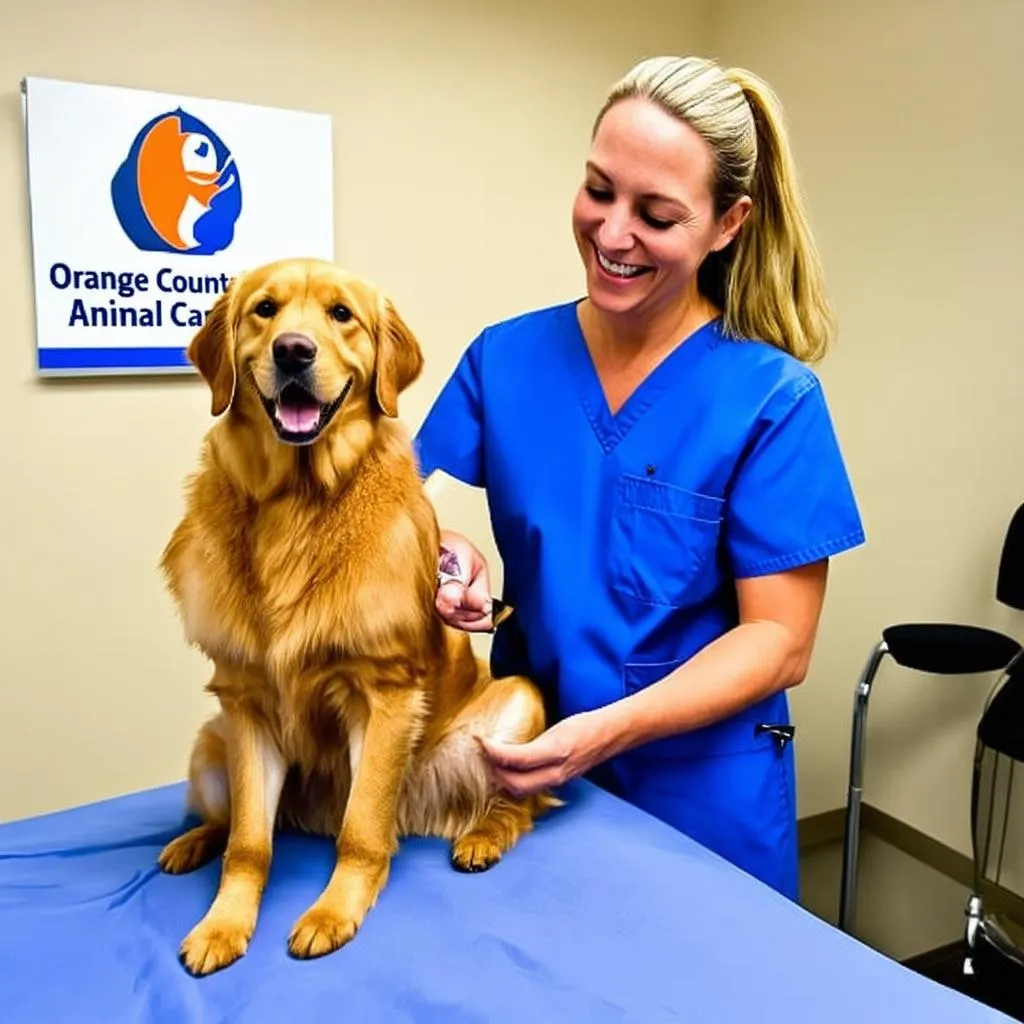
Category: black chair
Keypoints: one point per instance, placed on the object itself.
(938, 648)
(994, 957)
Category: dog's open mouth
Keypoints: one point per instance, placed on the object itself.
(298, 416)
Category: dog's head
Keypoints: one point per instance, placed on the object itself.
(301, 340)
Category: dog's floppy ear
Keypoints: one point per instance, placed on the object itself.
(212, 352)
(399, 357)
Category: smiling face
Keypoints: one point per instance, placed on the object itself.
(305, 339)
(301, 344)
(644, 218)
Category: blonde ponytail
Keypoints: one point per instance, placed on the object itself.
(776, 287)
(768, 281)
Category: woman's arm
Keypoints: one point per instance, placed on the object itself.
(768, 651)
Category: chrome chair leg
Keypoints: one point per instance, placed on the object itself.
(975, 915)
(851, 838)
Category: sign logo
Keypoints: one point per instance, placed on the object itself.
(178, 189)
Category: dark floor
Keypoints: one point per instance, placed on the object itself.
(1003, 992)
(910, 913)
(903, 908)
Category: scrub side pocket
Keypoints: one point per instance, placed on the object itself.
(662, 537)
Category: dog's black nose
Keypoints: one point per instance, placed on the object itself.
(293, 352)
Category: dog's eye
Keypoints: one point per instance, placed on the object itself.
(341, 313)
(266, 308)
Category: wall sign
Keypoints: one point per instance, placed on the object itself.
(144, 205)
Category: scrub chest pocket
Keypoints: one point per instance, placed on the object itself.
(662, 537)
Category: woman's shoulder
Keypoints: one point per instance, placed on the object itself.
(532, 324)
(767, 372)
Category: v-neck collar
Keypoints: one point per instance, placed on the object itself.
(610, 428)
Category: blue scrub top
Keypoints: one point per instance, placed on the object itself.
(621, 536)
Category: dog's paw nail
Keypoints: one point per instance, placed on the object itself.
(319, 932)
(192, 850)
(209, 947)
(474, 853)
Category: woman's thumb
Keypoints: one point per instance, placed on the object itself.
(478, 587)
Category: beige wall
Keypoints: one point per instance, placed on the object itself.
(459, 137)
(460, 132)
(905, 116)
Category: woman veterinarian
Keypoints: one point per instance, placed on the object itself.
(665, 492)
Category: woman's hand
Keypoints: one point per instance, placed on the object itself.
(464, 602)
(569, 749)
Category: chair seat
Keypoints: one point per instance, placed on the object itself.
(946, 648)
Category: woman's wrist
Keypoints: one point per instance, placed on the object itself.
(642, 717)
(609, 733)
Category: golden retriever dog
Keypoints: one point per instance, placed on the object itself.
(305, 568)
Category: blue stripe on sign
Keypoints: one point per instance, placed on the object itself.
(112, 358)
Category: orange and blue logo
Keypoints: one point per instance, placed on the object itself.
(178, 189)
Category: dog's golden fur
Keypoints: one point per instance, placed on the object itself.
(306, 572)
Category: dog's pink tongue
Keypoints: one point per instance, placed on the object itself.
(298, 418)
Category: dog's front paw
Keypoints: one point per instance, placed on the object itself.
(213, 944)
(320, 931)
(192, 850)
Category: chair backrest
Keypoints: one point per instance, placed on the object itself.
(1010, 582)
